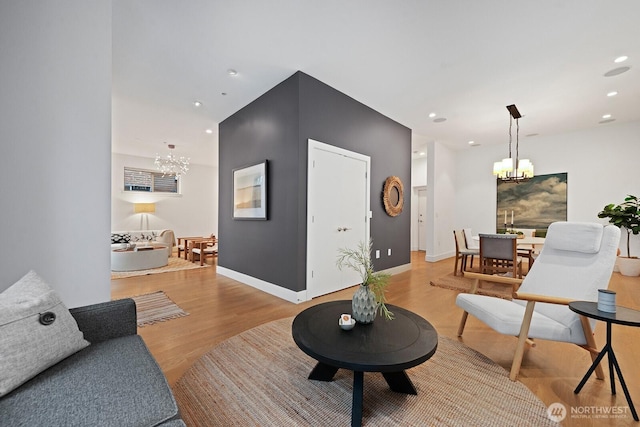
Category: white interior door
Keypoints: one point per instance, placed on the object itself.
(337, 214)
(422, 220)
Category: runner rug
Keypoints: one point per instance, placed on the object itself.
(463, 284)
(156, 307)
(175, 264)
(259, 378)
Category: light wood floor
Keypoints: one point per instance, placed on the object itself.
(221, 308)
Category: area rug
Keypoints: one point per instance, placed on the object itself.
(259, 378)
(175, 264)
(463, 284)
(156, 307)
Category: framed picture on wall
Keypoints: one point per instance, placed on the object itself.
(533, 204)
(250, 192)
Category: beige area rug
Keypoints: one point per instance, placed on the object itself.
(463, 284)
(259, 378)
(175, 264)
(156, 307)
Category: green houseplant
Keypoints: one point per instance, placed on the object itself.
(371, 292)
(626, 216)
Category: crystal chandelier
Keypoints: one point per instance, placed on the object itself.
(513, 169)
(172, 165)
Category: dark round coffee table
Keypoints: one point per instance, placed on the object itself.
(386, 346)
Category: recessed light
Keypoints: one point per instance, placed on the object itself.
(422, 153)
(471, 142)
(232, 72)
(606, 116)
(208, 131)
(620, 59)
(612, 93)
(616, 71)
(439, 120)
(432, 115)
(197, 103)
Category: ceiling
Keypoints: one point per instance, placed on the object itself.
(463, 60)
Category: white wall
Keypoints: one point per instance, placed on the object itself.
(441, 197)
(601, 163)
(55, 131)
(192, 213)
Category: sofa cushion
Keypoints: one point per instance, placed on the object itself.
(37, 331)
(120, 238)
(112, 383)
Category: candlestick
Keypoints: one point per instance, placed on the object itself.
(511, 219)
(505, 217)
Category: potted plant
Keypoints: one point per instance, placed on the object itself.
(625, 216)
(370, 294)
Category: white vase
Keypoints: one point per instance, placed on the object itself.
(364, 305)
(629, 266)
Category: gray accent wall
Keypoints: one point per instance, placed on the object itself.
(276, 127)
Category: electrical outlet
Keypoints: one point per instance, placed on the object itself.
(389, 252)
(377, 253)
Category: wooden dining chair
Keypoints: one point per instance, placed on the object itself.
(183, 245)
(462, 252)
(499, 255)
(206, 247)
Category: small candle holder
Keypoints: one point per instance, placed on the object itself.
(606, 301)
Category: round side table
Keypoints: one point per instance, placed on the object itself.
(622, 316)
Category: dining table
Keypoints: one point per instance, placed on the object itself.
(526, 240)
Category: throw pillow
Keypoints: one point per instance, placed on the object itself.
(37, 331)
(120, 238)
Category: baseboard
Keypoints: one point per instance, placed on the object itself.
(397, 269)
(440, 257)
(270, 288)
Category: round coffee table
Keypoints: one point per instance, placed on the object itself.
(386, 346)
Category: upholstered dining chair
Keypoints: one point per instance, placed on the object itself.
(499, 255)
(462, 252)
(576, 260)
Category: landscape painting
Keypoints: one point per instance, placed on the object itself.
(533, 204)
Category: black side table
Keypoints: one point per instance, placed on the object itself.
(622, 316)
(385, 346)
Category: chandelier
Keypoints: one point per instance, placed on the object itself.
(172, 165)
(513, 169)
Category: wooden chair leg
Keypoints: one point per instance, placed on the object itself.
(591, 343)
(522, 341)
(455, 266)
(463, 321)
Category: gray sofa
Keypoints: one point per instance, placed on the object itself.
(113, 382)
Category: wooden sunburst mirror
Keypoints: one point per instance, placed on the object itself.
(393, 196)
